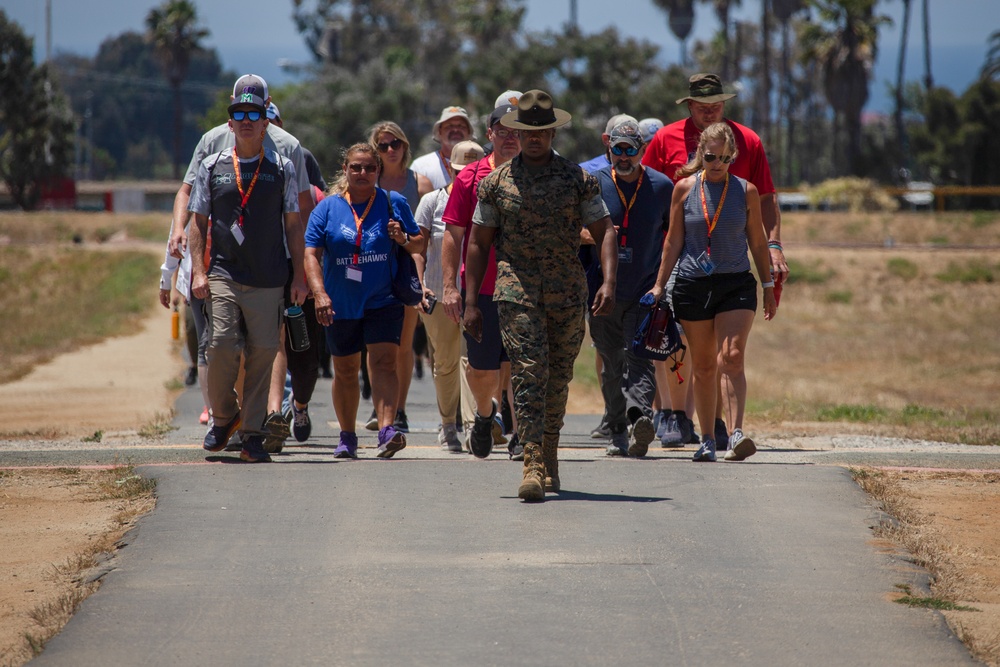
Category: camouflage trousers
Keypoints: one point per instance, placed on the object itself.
(542, 344)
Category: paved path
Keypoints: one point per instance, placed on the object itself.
(429, 559)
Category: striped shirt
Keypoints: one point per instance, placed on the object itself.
(729, 239)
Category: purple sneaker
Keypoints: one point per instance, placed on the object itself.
(348, 447)
(390, 441)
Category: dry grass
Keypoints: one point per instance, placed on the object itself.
(134, 497)
(954, 582)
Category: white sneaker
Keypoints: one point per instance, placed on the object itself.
(740, 446)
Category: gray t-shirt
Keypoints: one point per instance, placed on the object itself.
(277, 140)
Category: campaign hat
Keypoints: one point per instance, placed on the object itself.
(535, 111)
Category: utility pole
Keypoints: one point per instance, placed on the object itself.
(573, 15)
(48, 30)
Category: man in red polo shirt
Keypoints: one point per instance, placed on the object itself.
(674, 145)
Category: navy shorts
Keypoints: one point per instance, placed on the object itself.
(379, 325)
(703, 298)
(487, 354)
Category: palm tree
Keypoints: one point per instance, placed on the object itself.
(784, 10)
(722, 8)
(904, 31)
(680, 18)
(991, 66)
(844, 42)
(928, 78)
(173, 31)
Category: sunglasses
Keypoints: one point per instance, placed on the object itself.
(395, 145)
(358, 168)
(711, 157)
(254, 116)
(631, 151)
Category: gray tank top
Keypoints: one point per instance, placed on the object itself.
(729, 239)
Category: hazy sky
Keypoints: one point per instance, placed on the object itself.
(238, 31)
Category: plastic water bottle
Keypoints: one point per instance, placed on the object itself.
(298, 333)
(175, 324)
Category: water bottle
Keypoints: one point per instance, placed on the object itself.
(298, 333)
(175, 324)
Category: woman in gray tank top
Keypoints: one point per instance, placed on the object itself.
(394, 149)
(714, 218)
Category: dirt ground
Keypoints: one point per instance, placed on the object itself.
(48, 518)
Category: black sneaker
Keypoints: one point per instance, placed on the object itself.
(301, 424)
(481, 438)
(401, 424)
(218, 436)
(721, 436)
(514, 449)
(253, 450)
(192, 376)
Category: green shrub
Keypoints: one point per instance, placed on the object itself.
(974, 271)
(858, 195)
(811, 274)
(839, 296)
(851, 413)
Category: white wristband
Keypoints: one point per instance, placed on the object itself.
(769, 283)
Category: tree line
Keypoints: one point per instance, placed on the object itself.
(804, 70)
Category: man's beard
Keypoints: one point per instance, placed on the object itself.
(625, 170)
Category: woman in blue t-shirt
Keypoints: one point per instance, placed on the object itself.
(349, 255)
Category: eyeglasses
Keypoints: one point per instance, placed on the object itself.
(358, 168)
(254, 116)
(711, 157)
(504, 133)
(631, 151)
(395, 145)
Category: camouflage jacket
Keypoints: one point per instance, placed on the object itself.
(538, 214)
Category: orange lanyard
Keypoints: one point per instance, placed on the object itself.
(718, 210)
(239, 182)
(445, 166)
(628, 206)
(358, 221)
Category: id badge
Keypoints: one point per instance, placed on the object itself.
(354, 273)
(624, 255)
(237, 233)
(706, 263)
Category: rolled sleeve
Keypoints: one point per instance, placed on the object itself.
(486, 215)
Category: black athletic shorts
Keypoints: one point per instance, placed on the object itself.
(703, 298)
(487, 354)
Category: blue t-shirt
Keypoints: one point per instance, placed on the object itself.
(332, 228)
(595, 164)
(641, 244)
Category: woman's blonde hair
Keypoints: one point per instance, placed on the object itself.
(714, 132)
(396, 131)
(339, 185)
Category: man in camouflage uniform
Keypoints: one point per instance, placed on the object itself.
(535, 208)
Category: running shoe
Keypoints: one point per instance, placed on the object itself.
(742, 446)
(372, 423)
(448, 439)
(483, 429)
(301, 424)
(642, 434)
(619, 444)
(401, 423)
(390, 441)
(348, 447)
(514, 449)
(253, 450)
(721, 435)
(218, 435)
(706, 453)
(276, 431)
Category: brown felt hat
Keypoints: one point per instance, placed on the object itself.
(706, 88)
(535, 111)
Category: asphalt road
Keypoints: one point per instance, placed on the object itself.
(430, 559)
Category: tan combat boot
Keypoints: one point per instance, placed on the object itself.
(532, 487)
(550, 455)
